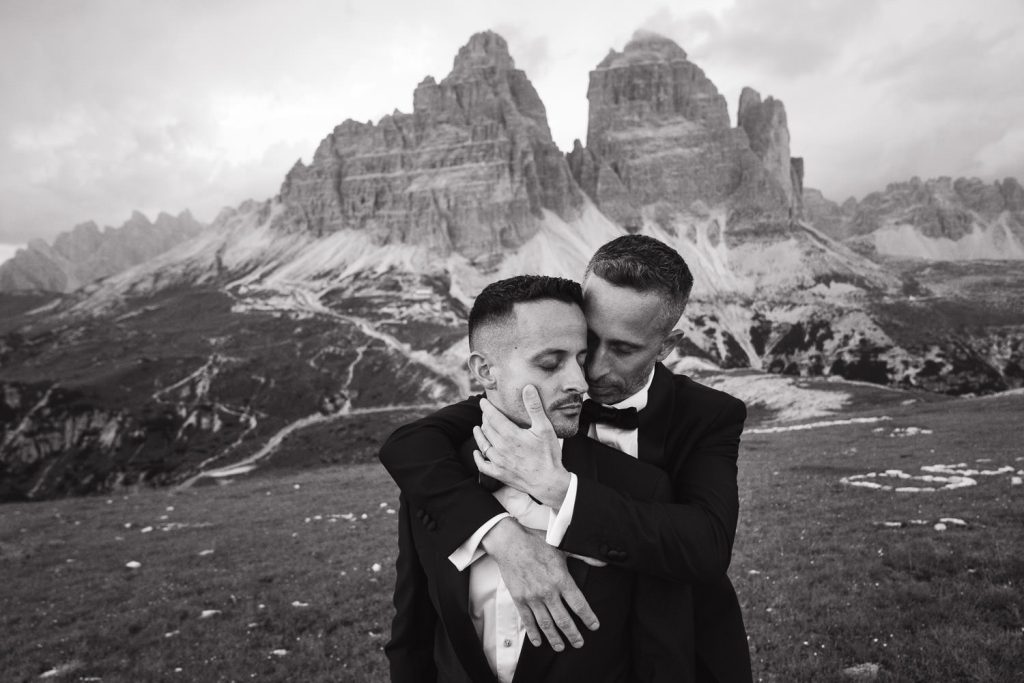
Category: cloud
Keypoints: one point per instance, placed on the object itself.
(1003, 157)
(783, 39)
(967, 62)
(7, 251)
(690, 30)
(143, 154)
(531, 53)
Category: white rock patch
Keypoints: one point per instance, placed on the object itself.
(816, 425)
(885, 481)
(908, 431)
(962, 470)
(948, 477)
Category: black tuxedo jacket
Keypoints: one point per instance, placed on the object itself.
(644, 619)
(689, 431)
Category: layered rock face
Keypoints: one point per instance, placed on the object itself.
(471, 170)
(659, 135)
(86, 254)
(768, 132)
(938, 219)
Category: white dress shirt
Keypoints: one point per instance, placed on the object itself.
(494, 614)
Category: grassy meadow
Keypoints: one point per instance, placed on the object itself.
(286, 575)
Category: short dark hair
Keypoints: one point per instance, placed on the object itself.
(644, 264)
(498, 299)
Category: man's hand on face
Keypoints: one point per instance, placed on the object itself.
(529, 460)
(539, 582)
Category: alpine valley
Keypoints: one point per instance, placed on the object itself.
(170, 353)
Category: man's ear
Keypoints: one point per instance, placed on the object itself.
(481, 370)
(668, 343)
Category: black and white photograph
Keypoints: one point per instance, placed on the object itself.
(578, 341)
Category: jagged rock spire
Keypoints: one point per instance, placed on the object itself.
(659, 134)
(471, 170)
(485, 50)
(768, 132)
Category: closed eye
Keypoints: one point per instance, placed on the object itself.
(549, 362)
(624, 349)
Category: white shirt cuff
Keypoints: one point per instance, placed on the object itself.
(558, 524)
(470, 551)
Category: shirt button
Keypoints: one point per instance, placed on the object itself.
(508, 642)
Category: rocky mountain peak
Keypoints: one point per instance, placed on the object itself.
(484, 51)
(471, 170)
(768, 132)
(650, 79)
(749, 98)
(137, 219)
(660, 140)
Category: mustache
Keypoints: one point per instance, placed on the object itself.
(573, 401)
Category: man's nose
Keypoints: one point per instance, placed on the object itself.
(575, 380)
(597, 362)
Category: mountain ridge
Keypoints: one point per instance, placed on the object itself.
(938, 219)
(85, 253)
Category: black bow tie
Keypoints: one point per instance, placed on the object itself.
(623, 418)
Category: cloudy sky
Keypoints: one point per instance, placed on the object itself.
(115, 105)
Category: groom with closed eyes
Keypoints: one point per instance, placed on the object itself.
(455, 619)
(634, 292)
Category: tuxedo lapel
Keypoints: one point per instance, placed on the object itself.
(453, 599)
(656, 418)
(577, 460)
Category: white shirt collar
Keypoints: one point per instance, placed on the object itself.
(639, 399)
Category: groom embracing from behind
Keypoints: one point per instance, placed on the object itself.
(635, 289)
(455, 617)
